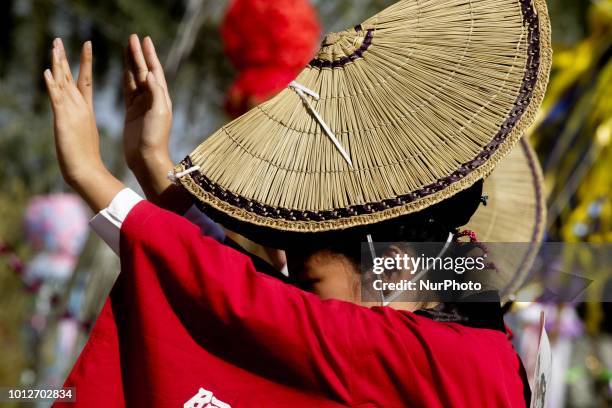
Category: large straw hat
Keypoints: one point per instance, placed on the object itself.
(515, 213)
(403, 111)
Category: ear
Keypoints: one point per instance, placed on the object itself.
(393, 251)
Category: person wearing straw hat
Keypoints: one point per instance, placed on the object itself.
(387, 134)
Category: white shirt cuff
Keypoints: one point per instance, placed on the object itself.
(107, 223)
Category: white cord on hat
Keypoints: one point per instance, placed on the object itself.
(302, 91)
(373, 255)
(174, 177)
(387, 300)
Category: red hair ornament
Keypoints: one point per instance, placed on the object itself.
(268, 42)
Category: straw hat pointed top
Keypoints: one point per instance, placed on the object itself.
(394, 115)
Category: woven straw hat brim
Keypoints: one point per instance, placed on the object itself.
(515, 213)
(425, 98)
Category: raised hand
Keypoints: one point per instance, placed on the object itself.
(76, 134)
(148, 118)
(148, 121)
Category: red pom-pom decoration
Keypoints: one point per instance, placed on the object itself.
(254, 86)
(269, 42)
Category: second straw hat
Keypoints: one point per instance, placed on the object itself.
(403, 111)
(514, 215)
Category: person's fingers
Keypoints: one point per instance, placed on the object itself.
(130, 88)
(130, 73)
(153, 61)
(139, 63)
(85, 80)
(63, 60)
(56, 67)
(52, 89)
(156, 67)
(157, 92)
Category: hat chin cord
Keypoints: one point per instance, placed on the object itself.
(386, 301)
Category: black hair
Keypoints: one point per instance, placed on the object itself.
(433, 224)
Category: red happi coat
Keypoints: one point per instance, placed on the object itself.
(190, 319)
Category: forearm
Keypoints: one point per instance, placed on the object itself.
(152, 175)
(97, 187)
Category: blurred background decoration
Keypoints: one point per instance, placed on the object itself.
(269, 43)
(53, 278)
(573, 139)
(574, 132)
